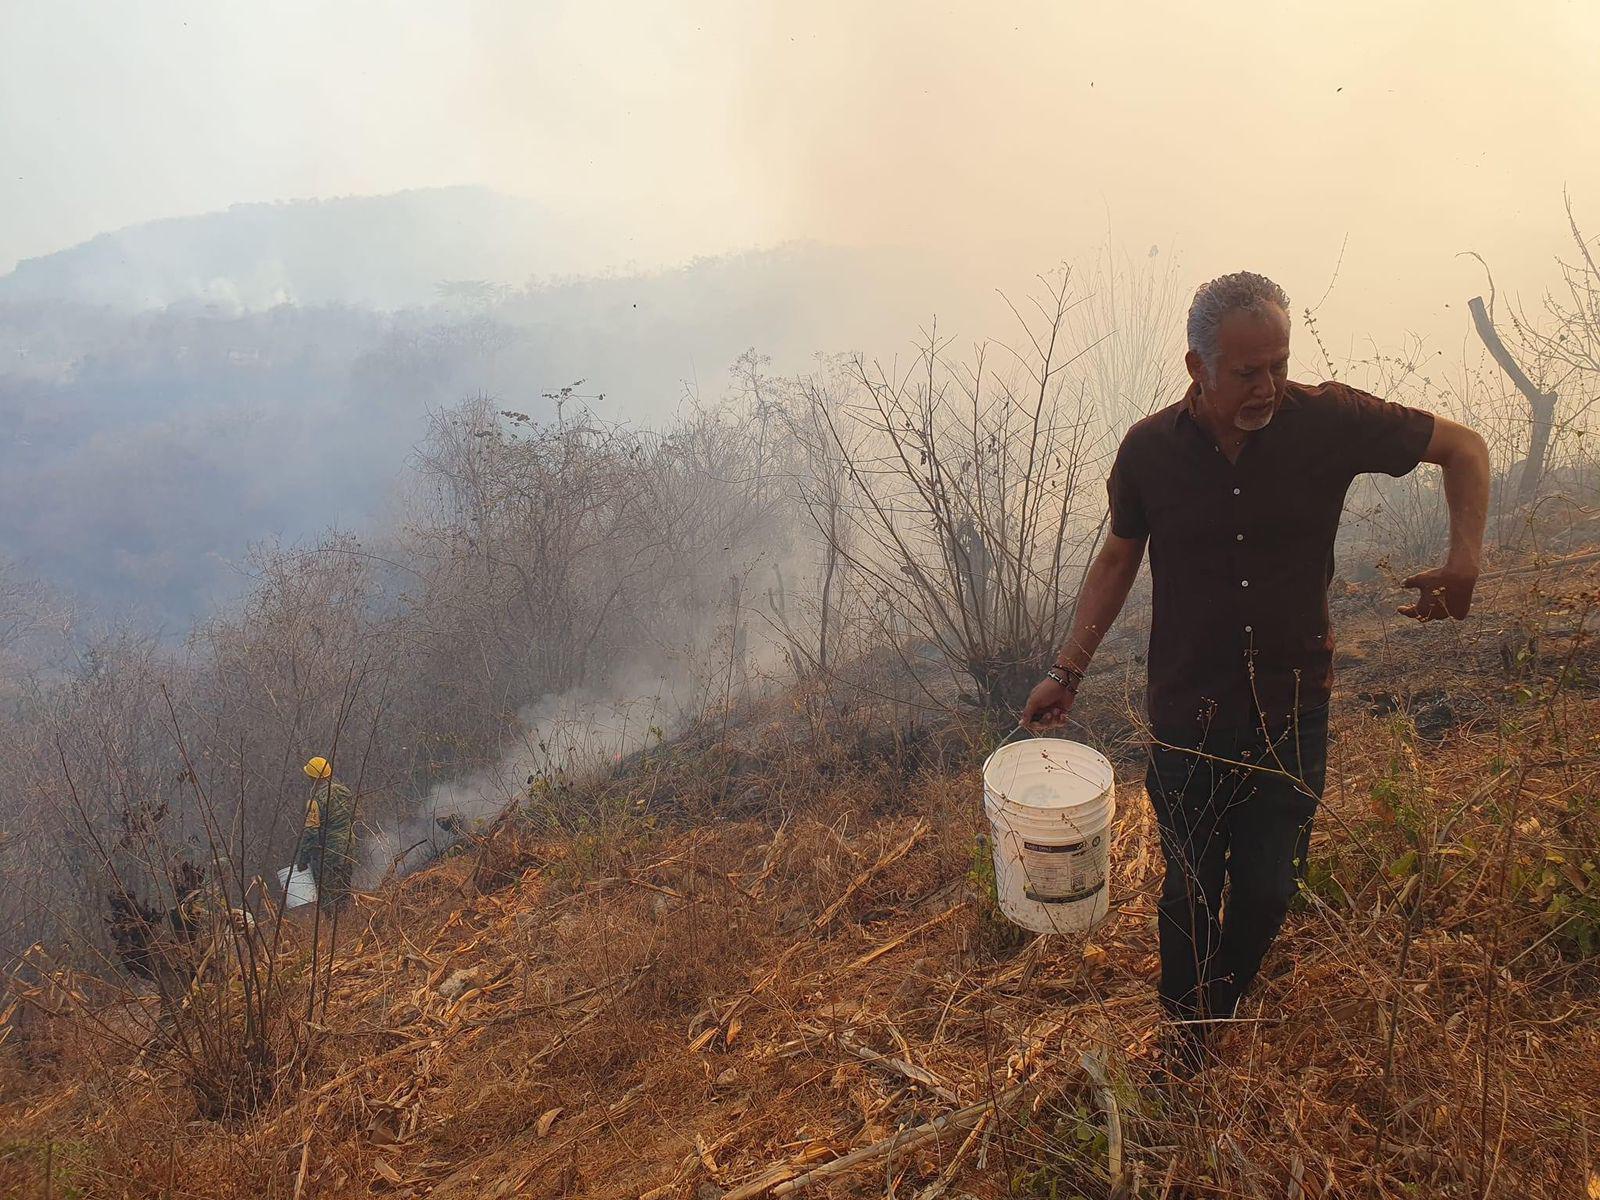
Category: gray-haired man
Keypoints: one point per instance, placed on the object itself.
(1237, 490)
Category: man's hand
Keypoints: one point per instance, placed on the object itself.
(1047, 706)
(1445, 592)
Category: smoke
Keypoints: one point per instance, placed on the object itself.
(577, 737)
(565, 739)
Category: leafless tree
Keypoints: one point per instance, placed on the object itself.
(146, 878)
(1551, 356)
(966, 508)
(23, 603)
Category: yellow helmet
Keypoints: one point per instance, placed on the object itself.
(318, 768)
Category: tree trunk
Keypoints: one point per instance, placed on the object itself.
(1541, 405)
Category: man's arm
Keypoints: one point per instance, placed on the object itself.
(1447, 590)
(1105, 590)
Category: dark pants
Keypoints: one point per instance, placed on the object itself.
(1237, 809)
(331, 866)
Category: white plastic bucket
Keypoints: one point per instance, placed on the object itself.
(299, 887)
(1050, 803)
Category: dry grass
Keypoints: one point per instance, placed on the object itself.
(662, 1009)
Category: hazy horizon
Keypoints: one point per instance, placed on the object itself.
(1248, 135)
(936, 156)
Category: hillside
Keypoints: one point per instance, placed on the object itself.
(380, 252)
(145, 451)
(765, 952)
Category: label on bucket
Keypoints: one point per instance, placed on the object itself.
(1064, 873)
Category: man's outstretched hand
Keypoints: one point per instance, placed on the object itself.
(1047, 706)
(1445, 592)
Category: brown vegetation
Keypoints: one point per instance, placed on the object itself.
(760, 953)
(647, 1007)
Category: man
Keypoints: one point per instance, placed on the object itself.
(326, 841)
(1237, 490)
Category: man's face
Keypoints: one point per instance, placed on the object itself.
(1244, 386)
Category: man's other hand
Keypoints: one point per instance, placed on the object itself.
(1445, 592)
(1047, 706)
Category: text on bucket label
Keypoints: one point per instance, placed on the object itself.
(1065, 873)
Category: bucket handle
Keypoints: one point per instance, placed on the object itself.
(1016, 729)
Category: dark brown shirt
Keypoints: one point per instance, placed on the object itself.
(1241, 554)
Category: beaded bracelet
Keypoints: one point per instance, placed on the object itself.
(1067, 677)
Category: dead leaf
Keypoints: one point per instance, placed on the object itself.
(733, 1030)
(703, 1040)
(707, 1157)
(382, 1131)
(549, 1119)
(459, 982)
(388, 1172)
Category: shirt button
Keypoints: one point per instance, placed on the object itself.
(1238, 537)
(1244, 583)
(1249, 628)
(1235, 491)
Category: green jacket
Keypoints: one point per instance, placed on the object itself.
(330, 817)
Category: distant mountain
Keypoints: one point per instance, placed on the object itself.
(382, 252)
(144, 446)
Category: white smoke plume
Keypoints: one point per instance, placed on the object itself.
(574, 737)
(568, 737)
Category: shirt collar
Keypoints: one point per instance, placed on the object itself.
(1190, 397)
(1185, 411)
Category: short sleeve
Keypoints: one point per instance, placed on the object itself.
(1379, 436)
(1128, 518)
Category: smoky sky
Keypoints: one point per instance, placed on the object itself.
(1001, 137)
